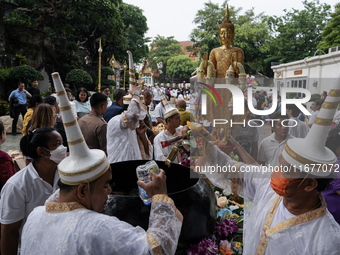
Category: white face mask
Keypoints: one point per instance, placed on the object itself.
(58, 154)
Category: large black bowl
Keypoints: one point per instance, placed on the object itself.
(192, 195)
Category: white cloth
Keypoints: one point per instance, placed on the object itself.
(313, 117)
(109, 102)
(159, 111)
(281, 214)
(162, 153)
(122, 144)
(180, 96)
(56, 231)
(300, 130)
(254, 101)
(156, 95)
(305, 236)
(74, 108)
(22, 193)
(270, 149)
(336, 118)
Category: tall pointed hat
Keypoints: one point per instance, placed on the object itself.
(169, 110)
(309, 154)
(83, 165)
(132, 79)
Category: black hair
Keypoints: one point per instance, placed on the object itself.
(20, 82)
(295, 110)
(97, 99)
(103, 88)
(51, 100)
(82, 90)
(325, 93)
(66, 188)
(323, 183)
(35, 99)
(30, 142)
(68, 90)
(118, 94)
(333, 139)
(277, 115)
(319, 102)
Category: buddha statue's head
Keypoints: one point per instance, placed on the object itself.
(227, 31)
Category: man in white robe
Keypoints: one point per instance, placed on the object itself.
(285, 214)
(70, 222)
(126, 135)
(172, 130)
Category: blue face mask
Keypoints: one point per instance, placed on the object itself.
(58, 154)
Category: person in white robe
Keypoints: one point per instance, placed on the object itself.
(172, 130)
(70, 222)
(126, 134)
(284, 214)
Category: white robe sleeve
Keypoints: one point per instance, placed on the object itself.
(165, 225)
(158, 150)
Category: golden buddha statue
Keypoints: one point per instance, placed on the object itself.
(226, 55)
(224, 65)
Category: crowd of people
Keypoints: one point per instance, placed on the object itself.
(123, 130)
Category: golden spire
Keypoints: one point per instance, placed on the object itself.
(227, 13)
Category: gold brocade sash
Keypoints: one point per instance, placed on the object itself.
(303, 218)
(141, 147)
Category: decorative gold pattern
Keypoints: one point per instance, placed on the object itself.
(55, 75)
(65, 108)
(70, 124)
(88, 180)
(127, 99)
(165, 199)
(85, 171)
(303, 218)
(53, 207)
(131, 70)
(141, 148)
(322, 121)
(132, 76)
(334, 93)
(170, 113)
(127, 122)
(80, 140)
(330, 105)
(156, 248)
(59, 93)
(303, 160)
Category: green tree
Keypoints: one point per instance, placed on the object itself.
(331, 33)
(298, 32)
(181, 67)
(25, 74)
(162, 49)
(78, 78)
(251, 33)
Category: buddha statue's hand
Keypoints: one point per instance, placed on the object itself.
(156, 186)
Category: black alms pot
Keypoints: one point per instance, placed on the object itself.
(192, 195)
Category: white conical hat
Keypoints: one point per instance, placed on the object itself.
(83, 165)
(309, 154)
(132, 79)
(169, 111)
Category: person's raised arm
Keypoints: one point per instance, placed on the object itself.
(165, 220)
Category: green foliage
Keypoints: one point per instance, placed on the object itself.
(25, 73)
(181, 67)
(109, 83)
(78, 78)
(105, 70)
(22, 59)
(5, 74)
(162, 49)
(298, 32)
(4, 107)
(314, 97)
(251, 33)
(331, 33)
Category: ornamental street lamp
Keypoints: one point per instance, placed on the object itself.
(100, 50)
(125, 66)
